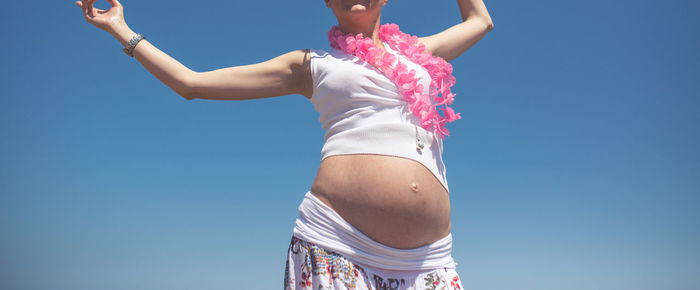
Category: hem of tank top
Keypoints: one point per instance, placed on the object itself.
(392, 155)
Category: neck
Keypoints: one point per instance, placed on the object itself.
(368, 29)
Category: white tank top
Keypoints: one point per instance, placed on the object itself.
(362, 111)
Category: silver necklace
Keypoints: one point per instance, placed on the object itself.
(419, 143)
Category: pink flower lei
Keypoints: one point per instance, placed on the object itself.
(420, 103)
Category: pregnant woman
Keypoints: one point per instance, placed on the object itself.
(377, 215)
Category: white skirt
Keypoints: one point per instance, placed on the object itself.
(327, 252)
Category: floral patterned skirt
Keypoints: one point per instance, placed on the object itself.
(312, 267)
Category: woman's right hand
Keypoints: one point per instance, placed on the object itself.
(107, 20)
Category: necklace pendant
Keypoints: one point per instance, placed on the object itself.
(419, 144)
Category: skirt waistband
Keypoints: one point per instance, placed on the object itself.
(321, 225)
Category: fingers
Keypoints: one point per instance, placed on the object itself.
(94, 15)
(114, 3)
(82, 6)
(87, 6)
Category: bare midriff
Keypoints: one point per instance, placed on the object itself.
(393, 200)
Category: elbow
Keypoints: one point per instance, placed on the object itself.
(481, 22)
(187, 95)
(188, 88)
(488, 23)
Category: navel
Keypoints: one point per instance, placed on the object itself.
(415, 187)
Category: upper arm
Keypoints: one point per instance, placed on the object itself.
(283, 75)
(451, 43)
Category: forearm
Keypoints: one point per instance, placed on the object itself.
(165, 68)
(474, 8)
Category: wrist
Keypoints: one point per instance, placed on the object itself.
(123, 34)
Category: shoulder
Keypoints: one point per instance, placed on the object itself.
(304, 59)
(296, 69)
(304, 55)
(296, 57)
(330, 54)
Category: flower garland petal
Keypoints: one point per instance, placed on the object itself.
(420, 104)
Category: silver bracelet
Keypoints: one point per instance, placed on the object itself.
(129, 48)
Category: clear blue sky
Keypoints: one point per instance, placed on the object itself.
(575, 164)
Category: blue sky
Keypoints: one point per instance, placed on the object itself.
(575, 164)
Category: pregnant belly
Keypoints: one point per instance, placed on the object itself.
(393, 200)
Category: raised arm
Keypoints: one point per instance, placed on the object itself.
(452, 42)
(283, 75)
